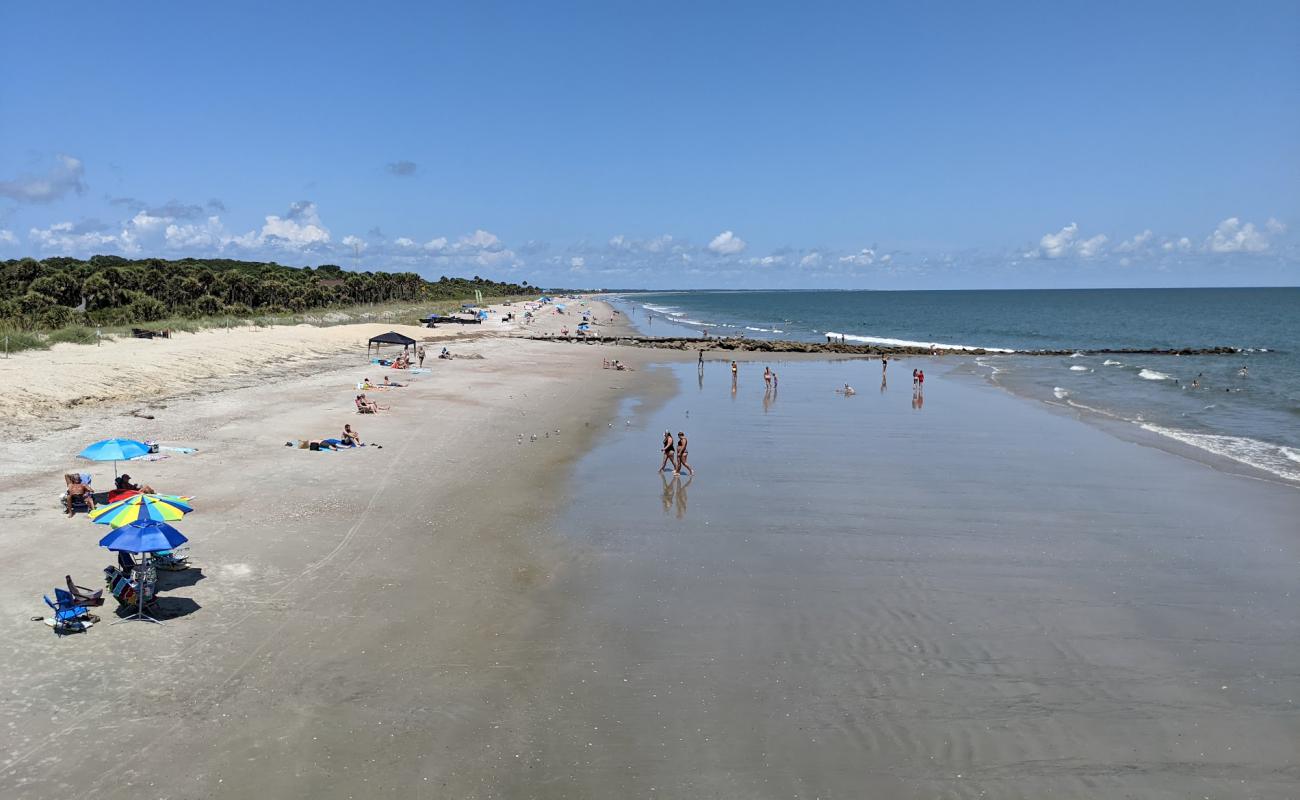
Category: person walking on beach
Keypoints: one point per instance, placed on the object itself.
(681, 456)
(701, 362)
(734, 371)
(767, 376)
(668, 450)
(420, 355)
(914, 373)
(884, 365)
(920, 381)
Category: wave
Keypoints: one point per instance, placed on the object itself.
(763, 330)
(659, 309)
(907, 343)
(1109, 363)
(1275, 459)
(1059, 393)
(1152, 375)
(1076, 355)
(1079, 368)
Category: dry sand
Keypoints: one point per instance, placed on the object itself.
(347, 602)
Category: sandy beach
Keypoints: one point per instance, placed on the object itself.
(856, 596)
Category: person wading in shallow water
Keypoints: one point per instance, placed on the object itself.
(681, 456)
(669, 454)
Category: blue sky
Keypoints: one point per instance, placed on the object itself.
(665, 145)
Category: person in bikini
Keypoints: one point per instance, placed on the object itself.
(681, 455)
(123, 484)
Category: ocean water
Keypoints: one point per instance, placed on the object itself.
(1250, 417)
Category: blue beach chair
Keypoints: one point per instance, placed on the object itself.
(69, 617)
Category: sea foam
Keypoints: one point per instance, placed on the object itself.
(1276, 459)
(849, 337)
(1078, 368)
(1152, 375)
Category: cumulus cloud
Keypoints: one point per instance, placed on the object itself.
(1138, 243)
(7, 237)
(355, 243)
(69, 237)
(1066, 242)
(1232, 236)
(768, 261)
(1182, 245)
(63, 178)
(813, 259)
(402, 169)
(299, 229)
(727, 244)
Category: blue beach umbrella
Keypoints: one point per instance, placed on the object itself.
(143, 538)
(115, 450)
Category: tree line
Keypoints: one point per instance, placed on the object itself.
(110, 290)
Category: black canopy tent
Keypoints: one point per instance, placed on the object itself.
(392, 337)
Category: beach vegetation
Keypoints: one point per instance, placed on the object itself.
(52, 295)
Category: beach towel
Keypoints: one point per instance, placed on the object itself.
(185, 450)
(420, 369)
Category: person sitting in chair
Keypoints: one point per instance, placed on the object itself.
(77, 489)
(123, 484)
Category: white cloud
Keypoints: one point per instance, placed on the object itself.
(1182, 245)
(811, 260)
(1139, 242)
(355, 243)
(196, 237)
(577, 264)
(435, 245)
(1089, 248)
(404, 242)
(619, 242)
(768, 261)
(479, 240)
(1066, 242)
(65, 237)
(1233, 237)
(863, 258)
(727, 244)
(1275, 226)
(62, 179)
(7, 237)
(299, 229)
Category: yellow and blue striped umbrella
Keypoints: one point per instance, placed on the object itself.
(142, 508)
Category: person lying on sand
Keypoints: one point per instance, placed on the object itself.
(387, 382)
(123, 484)
(77, 489)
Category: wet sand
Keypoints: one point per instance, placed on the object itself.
(854, 598)
(859, 598)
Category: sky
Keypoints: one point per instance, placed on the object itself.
(664, 145)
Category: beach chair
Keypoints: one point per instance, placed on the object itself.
(69, 617)
(83, 595)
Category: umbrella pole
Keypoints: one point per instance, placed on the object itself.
(140, 616)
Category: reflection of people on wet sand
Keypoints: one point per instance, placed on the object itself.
(675, 492)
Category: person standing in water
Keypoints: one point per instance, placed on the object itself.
(767, 376)
(733, 372)
(701, 362)
(668, 449)
(681, 456)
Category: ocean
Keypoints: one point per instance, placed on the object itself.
(1243, 407)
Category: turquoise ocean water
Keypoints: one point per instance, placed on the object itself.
(1244, 407)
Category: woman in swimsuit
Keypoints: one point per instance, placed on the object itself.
(668, 450)
(681, 455)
